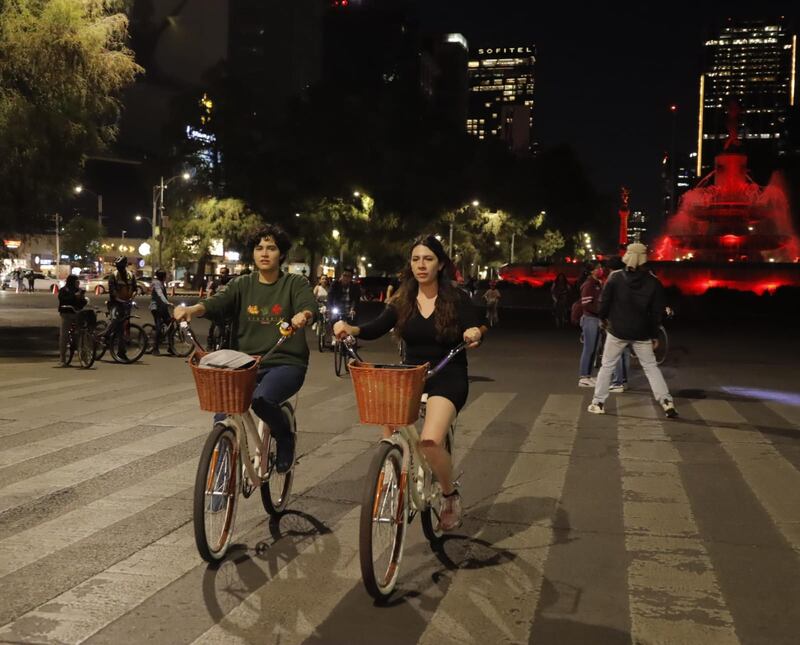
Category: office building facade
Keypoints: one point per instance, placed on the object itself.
(501, 86)
(750, 70)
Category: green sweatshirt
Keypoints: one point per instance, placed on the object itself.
(259, 308)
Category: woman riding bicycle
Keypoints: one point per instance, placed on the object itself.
(259, 302)
(431, 316)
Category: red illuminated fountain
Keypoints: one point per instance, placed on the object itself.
(729, 219)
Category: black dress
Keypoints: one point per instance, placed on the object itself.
(423, 347)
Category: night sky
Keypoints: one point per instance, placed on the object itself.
(607, 74)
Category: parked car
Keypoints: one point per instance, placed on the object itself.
(98, 285)
(144, 285)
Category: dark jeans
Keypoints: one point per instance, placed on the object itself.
(119, 312)
(276, 384)
(160, 321)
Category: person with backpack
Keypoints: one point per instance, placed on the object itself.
(590, 322)
(159, 307)
(632, 302)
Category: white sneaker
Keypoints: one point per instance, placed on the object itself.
(586, 381)
(450, 512)
(617, 387)
(669, 408)
(596, 408)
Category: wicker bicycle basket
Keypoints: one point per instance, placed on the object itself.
(219, 390)
(388, 395)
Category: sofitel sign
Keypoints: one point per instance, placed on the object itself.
(505, 50)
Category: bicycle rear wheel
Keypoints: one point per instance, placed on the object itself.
(384, 517)
(179, 343)
(100, 341)
(663, 346)
(430, 514)
(276, 490)
(216, 494)
(72, 343)
(134, 343)
(86, 345)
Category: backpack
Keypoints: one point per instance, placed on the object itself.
(576, 312)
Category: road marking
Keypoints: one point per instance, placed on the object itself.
(674, 593)
(774, 481)
(25, 547)
(494, 603)
(85, 469)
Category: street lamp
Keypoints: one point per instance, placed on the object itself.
(475, 203)
(139, 218)
(158, 206)
(79, 189)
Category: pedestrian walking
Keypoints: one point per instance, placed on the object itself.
(590, 322)
(18, 276)
(31, 276)
(632, 303)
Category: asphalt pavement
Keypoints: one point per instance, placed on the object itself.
(579, 529)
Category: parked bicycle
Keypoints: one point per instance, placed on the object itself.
(80, 337)
(177, 342)
(239, 455)
(400, 484)
(124, 340)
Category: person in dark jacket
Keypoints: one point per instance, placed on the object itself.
(590, 322)
(71, 300)
(632, 303)
(345, 296)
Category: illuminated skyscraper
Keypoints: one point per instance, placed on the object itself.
(750, 63)
(501, 81)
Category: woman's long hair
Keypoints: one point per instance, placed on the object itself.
(446, 309)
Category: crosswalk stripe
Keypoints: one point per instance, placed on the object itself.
(40, 389)
(85, 469)
(40, 541)
(789, 412)
(503, 600)
(115, 591)
(674, 593)
(773, 480)
(292, 624)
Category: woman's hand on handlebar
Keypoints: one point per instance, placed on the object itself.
(473, 337)
(341, 329)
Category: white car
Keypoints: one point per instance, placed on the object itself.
(41, 282)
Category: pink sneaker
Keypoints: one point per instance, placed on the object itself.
(450, 512)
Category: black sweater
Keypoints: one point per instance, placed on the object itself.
(70, 301)
(633, 303)
(420, 333)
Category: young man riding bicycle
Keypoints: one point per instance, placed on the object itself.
(259, 302)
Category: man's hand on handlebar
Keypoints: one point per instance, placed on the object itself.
(300, 320)
(473, 337)
(182, 312)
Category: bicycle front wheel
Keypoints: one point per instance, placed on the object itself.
(86, 347)
(150, 334)
(338, 358)
(321, 336)
(179, 342)
(663, 346)
(216, 494)
(384, 516)
(276, 490)
(130, 350)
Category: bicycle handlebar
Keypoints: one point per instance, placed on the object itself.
(349, 343)
(285, 329)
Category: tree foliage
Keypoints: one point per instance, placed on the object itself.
(63, 65)
(81, 237)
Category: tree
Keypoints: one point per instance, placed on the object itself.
(63, 65)
(82, 237)
(209, 221)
